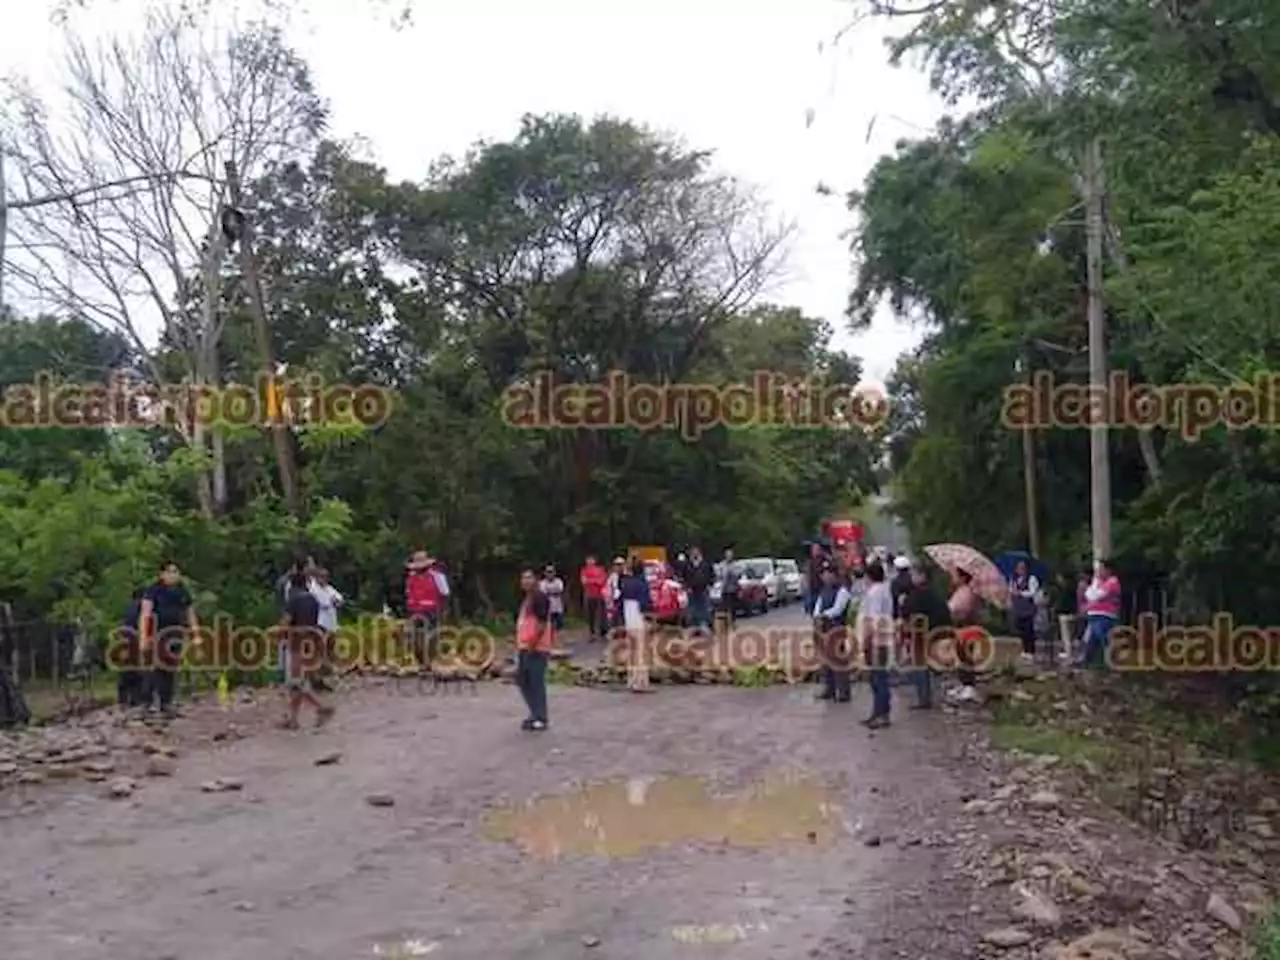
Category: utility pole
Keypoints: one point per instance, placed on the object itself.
(1029, 471)
(238, 228)
(4, 226)
(1100, 405)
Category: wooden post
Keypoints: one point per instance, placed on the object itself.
(280, 439)
(1029, 474)
(1099, 461)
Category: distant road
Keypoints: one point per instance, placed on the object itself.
(883, 526)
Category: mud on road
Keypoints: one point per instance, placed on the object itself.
(715, 821)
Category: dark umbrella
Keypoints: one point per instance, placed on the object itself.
(1009, 559)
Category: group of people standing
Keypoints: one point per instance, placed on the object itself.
(894, 622)
(1086, 613)
(891, 617)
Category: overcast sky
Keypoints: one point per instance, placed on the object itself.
(738, 78)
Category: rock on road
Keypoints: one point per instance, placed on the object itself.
(675, 859)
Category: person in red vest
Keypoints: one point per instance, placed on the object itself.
(426, 590)
(593, 578)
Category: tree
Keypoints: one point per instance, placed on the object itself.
(1181, 96)
(122, 185)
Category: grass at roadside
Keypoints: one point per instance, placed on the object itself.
(1266, 937)
(1011, 732)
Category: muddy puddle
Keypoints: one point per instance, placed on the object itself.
(629, 817)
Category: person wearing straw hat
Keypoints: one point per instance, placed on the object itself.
(425, 592)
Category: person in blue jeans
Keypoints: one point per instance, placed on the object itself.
(1102, 610)
(924, 614)
(877, 630)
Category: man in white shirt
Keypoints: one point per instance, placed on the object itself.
(553, 588)
(329, 600)
(829, 611)
(877, 630)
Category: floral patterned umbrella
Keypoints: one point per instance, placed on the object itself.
(988, 582)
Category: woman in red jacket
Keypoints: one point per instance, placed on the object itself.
(426, 590)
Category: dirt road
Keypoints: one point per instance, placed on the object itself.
(756, 823)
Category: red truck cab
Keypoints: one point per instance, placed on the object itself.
(848, 539)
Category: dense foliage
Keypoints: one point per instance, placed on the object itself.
(576, 248)
(978, 231)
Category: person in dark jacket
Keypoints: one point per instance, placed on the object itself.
(131, 689)
(901, 584)
(167, 623)
(924, 617)
(699, 575)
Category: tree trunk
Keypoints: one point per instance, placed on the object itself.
(204, 479)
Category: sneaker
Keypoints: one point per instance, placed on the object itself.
(538, 725)
(965, 694)
(527, 724)
(876, 722)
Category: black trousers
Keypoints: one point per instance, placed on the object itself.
(595, 618)
(837, 660)
(425, 637)
(531, 678)
(729, 607)
(1026, 628)
(162, 682)
(131, 688)
(132, 680)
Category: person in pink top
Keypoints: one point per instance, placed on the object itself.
(1102, 612)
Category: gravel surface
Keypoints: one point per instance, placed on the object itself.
(390, 833)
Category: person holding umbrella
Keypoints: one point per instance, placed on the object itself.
(964, 607)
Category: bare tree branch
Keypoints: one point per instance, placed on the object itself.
(115, 184)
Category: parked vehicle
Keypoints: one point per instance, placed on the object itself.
(765, 570)
(758, 585)
(753, 595)
(791, 583)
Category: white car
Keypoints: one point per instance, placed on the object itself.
(765, 570)
(792, 585)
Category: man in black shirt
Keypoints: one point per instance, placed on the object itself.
(167, 620)
(698, 577)
(924, 616)
(306, 652)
